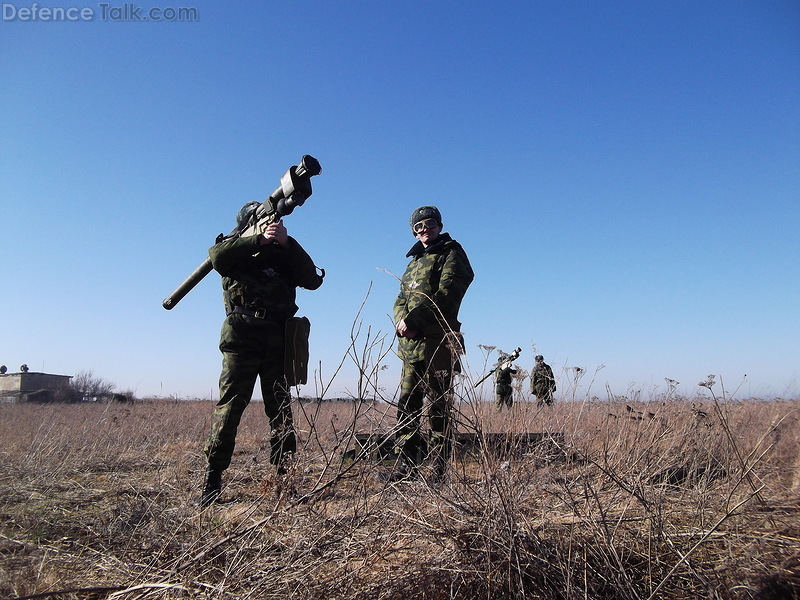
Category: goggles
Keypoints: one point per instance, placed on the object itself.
(421, 226)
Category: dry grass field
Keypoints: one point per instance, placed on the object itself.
(678, 499)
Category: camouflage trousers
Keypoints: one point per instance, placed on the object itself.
(421, 379)
(261, 356)
(505, 397)
(544, 395)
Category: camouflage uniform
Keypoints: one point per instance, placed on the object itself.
(431, 291)
(503, 385)
(259, 289)
(543, 383)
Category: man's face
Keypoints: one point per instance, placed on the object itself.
(426, 231)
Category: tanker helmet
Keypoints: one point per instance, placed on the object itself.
(426, 212)
(244, 213)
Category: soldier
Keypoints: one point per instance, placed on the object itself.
(503, 384)
(543, 384)
(260, 274)
(426, 323)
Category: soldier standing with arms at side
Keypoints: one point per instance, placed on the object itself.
(426, 323)
(260, 274)
(543, 383)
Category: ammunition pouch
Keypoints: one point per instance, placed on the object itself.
(296, 355)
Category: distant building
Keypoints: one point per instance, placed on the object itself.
(28, 386)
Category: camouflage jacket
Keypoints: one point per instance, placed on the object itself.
(503, 379)
(543, 382)
(431, 292)
(266, 277)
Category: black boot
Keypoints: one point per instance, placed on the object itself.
(284, 464)
(211, 488)
(403, 470)
(439, 457)
(438, 470)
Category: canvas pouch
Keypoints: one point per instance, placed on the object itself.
(296, 356)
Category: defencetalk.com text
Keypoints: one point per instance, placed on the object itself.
(128, 11)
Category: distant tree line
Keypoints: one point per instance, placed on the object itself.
(86, 387)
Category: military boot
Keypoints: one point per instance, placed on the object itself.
(212, 487)
(402, 471)
(438, 469)
(284, 464)
(439, 458)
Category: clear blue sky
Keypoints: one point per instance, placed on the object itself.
(623, 175)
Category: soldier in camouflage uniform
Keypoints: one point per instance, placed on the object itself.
(260, 274)
(505, 393)
(543, 383)
(426, 323)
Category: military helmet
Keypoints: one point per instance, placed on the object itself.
(244, 213)
(426, 212)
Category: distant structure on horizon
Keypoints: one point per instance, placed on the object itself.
(28, 386)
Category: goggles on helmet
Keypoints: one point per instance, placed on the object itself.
(421, 226)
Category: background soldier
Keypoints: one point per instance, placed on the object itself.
(426, 323)
(543, 384)
(503, 384)
(260, 275)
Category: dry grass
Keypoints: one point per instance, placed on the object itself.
(646, 501)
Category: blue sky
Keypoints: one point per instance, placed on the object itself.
(623, 175)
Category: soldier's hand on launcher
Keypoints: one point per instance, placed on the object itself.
(275, 232)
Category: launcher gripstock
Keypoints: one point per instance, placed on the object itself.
(294, 190)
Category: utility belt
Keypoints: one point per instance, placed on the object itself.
(258, 313)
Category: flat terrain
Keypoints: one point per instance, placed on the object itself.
(681, 499)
